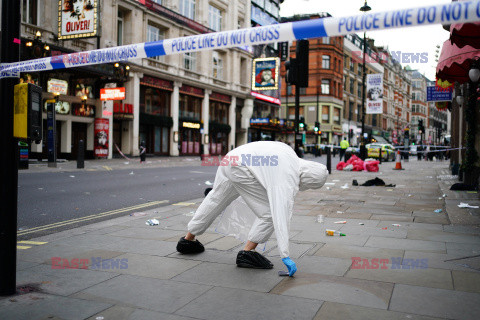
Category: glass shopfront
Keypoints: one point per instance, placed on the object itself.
(218, 126)
(189, 126)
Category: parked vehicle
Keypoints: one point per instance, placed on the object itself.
(388, 151)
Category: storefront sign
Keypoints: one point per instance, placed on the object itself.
(191, 125)
(197, 92)
(123, 111)
(112, 94)
(266, 98)
(374, 93)
(77, 19)
(102, 127)
(57, 86)
(265, 73)
(157, 83)
(259, 121)
(220, 97)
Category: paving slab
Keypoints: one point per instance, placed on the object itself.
(45, 252)
(22, 265)
(323, 265)
(435, 302)
(209, 255)
(432, 235)
(35, 306)
(391, 217)
(153, 266)
(143, 246)
(437, 260)
(340, 311)
(224, 243)
(411, 225)
(405, 273)
(296, 250)
(224, 275)
(239, 304)
(62, 282)
(347, 252)
(416, 245)
(320, 236)
(152, 233)
(129, 313)
(391, 232)
(463, 249)
(462, 229)
(466, 281)
(337, 289)
(438, 220)
(145, 293)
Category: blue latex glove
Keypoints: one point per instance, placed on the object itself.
(292, 267)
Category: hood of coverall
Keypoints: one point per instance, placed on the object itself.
(312, 175)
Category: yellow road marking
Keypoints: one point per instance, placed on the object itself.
(32, 242)
(93, 216)
(23, 247)
(107, 168)
(183, 204)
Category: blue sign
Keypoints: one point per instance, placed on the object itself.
(259, 121)
(434, 94)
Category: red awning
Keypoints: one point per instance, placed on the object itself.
(455, 62)
(463, 34)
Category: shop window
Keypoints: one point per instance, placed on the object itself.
(154, 33)
(190, 107)
(154, 101)
(190, 61)
(187, 8)
(218, 112)
(214, 18)
(30, 11)
(217, 65)
(336, 115)
(325, 114)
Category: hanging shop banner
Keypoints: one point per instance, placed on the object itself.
(265, 73)
(77, 18)
(374, 93)
(436, 94)
(102, 127)
(445, 14)
(112, 94)
(57, 86)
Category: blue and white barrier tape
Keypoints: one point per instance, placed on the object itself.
(455, 12)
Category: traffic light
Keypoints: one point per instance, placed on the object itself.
(420, 125)
(317, 127)
(301, 123)
(302, 51)
(291, 75)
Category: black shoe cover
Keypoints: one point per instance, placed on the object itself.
(186, 246)
(252, 259)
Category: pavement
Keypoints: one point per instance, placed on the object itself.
(427, 266)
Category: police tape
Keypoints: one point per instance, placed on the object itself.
(455, 12)
(429, 151)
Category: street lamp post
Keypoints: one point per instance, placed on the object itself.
(364, 9)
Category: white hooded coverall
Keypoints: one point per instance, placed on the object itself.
(267, 176)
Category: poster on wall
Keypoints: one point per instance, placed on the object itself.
(61, 107)
(374, 93)
(77, 18)
(102, 127)
(265, 73)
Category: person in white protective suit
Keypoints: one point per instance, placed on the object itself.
(267, 175)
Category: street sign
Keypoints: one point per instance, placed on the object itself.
(434, 94)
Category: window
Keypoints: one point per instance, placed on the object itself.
(352, 86)
(325, 86)
(219, 112)
(157, 1)
(303, 91)
(30, 11)
(154, 101)
(351, 106)
(325, 114)
(352, 65)
(217, 66)
(190, 61)
(345, 83)
(360, 91)
(190, 107)
(326, 40)
(120, 28)
(214, 18)
(155, 34)
(336, 115)
(326, 62)
(187, 8)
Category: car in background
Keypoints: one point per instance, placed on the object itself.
(388, 151)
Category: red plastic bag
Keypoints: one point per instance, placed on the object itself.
(372, 166)
(341, 165)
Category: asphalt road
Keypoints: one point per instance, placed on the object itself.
(47, 199)
(49, 202)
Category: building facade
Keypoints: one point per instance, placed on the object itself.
(322, 100)
(182, 104)
(420, 108)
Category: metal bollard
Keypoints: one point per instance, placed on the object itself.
(329, 160)
(380, 157)
(81, 155)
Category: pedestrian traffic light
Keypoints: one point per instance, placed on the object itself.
(27, 120)
(420, 125)
(291, 75)
(302, 51)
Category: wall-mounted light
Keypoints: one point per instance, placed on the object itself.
(474, 73)
(84, 100)
(175, 136)
(38, 34)
(459, 100)
(56, 95)
(117, 65)
(46, 47)
(29, 44)
(206, 139)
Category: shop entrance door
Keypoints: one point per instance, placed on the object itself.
(79, 132)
